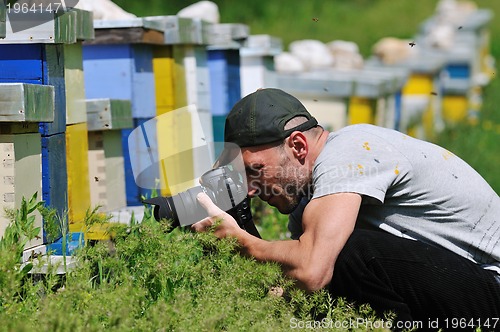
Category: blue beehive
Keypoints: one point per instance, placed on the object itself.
(224, 69)
(43, 64)
(123, 69)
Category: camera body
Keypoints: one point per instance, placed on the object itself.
(225, 187)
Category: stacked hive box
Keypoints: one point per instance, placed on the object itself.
(181, 80)
(326, 96)
(118, 64)
(224, 68)
(375, 97)
(23, 106)
(469, 65)
(106, 118)
(338, 98)
(76, 124)
(35, 55)
(421, 94)
(257, 62)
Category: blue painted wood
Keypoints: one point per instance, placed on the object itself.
(21, 63)
(132, 154)
(53, 74)
(224, 69)
(234, 77)
(218, 123)
(398, 109)
(37, 64)
(121, 72)
(132, 190)
(54, 173)
(217, 69)
(74, 240)
(458, 71)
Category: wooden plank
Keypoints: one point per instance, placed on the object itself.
(227, 36)
(74, 84)
(26, 102)
(37, 64)
(53, 74)
(108, 114)
(7, 128)
(3, 18)
(224, 68)
(126, 36)
(21, 63)
(106, 170)
(84, 24)
(40, 27)
(77, 173)
(130, 31)
(97, 171)
(163, 68)
(21, 176)
(54, 173)
(178, 30)
(138, 158)
(131, 65)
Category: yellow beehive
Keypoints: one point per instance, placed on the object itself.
(361, 110)
(78, 180)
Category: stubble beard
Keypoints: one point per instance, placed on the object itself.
(294, 184)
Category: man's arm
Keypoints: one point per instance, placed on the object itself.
(327, 222)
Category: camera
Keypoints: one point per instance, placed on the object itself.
(224, 186)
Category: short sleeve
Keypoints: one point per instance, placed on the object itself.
(360, 162)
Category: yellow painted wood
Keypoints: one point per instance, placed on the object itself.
(454, 108)
(78, 175)
(175, 144)
(163, 69)
(361, 110)
(180, 84)
(174, 131)
(99, 232)
(418, 84)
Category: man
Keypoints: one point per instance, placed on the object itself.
(376, 216)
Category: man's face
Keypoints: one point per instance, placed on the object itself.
(275, 176)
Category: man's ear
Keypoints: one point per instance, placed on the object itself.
(297, 141)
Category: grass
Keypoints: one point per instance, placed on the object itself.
(150, 278)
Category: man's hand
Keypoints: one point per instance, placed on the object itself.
(225, 225)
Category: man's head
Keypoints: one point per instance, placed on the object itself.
(275, 133)
(260, 118)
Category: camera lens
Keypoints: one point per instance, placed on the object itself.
(187, 208)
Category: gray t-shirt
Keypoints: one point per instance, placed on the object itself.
(410, 188)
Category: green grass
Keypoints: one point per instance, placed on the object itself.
(150, 279)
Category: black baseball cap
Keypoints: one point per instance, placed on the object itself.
(260, 118)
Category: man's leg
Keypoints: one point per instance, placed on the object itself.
(417, 281)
